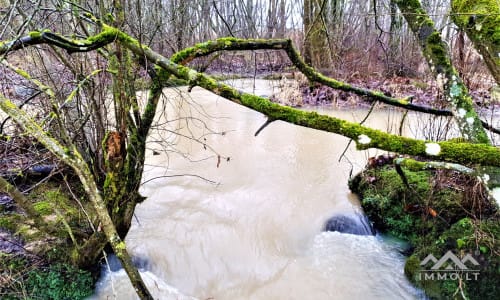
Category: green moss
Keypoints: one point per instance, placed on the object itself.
(413, 165)
(386, 200)
(403, 101)
(435, 50)
(35, 34)
(44, 208)
(108, 33)
(436, 213)
(465, 236)
(23, 73)
(412, 266)
(477, 15)
(414, 13)
(481, 25)
(10, 221)
(121, 246)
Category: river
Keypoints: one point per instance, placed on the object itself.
(250, 226)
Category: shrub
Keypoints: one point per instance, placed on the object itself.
(59, 281)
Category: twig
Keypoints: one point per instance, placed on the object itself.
(180, 175)
(268, 121)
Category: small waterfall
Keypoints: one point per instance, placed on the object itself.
(353, 223)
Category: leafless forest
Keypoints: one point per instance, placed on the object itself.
(73, 76)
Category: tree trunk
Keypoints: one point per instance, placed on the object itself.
(394, 63)
(124, 147)
(307, 47)
(316, 50)
(480, 19)
(73, 158)
(436, 53)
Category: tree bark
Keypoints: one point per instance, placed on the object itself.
(73, 158)
(436, 53)
(481, 21)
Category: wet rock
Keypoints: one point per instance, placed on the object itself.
(114, 264)
(42, 170)
(6, 203)
(24, 91)
(355, 223)
(9, 244)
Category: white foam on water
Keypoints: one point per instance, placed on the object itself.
(116, 285)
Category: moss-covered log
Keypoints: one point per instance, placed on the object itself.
(463, 153)
(124, 167)
(436, 53)
(234, 44)
(480, 19)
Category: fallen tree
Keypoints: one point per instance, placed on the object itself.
(114, 190)
(466, 153)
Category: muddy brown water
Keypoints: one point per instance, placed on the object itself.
(256, 232)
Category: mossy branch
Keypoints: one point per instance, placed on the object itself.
(109, 34)
(47, 37)
(480, 19)
(365, 137)
(235, 44)
(415, 165)
(464, 153)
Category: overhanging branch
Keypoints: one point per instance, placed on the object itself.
(47, 37)
(365, 137)
(225, 44)
(232, 44)
(235, 44)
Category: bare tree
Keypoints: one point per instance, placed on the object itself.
(102, 137)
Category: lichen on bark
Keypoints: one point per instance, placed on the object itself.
(480, 19)
(436, 53)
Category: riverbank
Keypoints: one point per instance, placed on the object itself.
(438, 212)
(35, 260)
(295, 155)
(297, 91)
